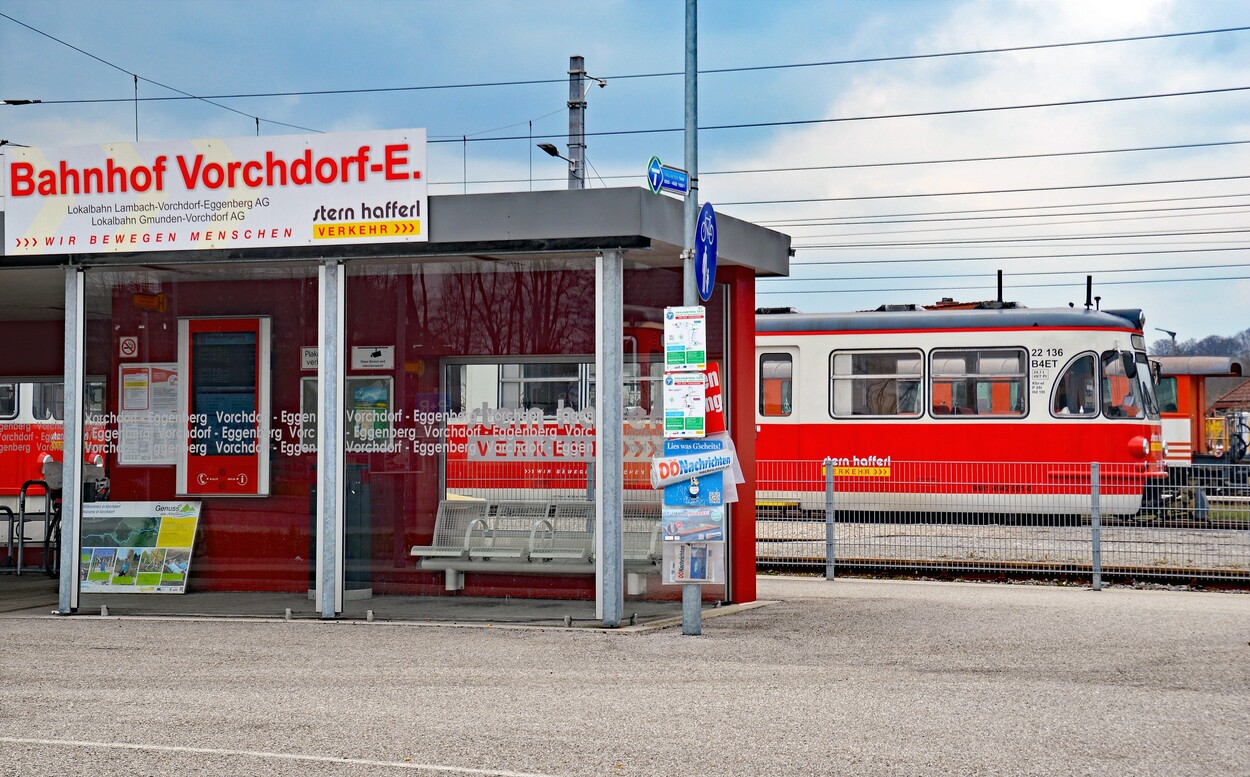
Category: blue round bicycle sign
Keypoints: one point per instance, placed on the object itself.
(705, 251)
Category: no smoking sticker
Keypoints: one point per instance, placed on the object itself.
(128, 347)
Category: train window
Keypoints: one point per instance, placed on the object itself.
(8, 400)
(1125, 395)
(1165, 392)
(881, 383)
(1145, 386)
(95, 398)
(776, 384)
(546, 385)
(978, 381)
(1074, 391)
(48, 403)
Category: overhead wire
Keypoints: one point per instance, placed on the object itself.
(1001, 258)
(971, 227)
(894, 244)
(1030, 273)
(1152, 200)
(136, 99)
(991, 283)
(665, 74)
(869, 165)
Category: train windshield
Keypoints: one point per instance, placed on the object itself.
(1126, 386)
(1145, 385)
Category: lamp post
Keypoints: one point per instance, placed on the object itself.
(1171, 334)
(574, 167)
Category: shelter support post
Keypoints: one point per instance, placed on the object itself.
(72, 453)
(609, 423)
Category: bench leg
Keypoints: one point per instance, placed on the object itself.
(455, 579)
(635, 584)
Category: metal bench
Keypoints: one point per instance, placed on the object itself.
(529, 537)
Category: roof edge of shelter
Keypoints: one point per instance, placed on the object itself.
(587, 214)
(559, 221)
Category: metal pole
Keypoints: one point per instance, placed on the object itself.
(609, 428)
(691, 595)
(577, 122)
(72, 451)
(330, 441)
(830, 553)
(1095, 525)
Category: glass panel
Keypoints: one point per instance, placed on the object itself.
(8, 400)
(978, 382)
(1165, 391)
(876, 383)
(32, 337)
(776, 389)
(470, 435)
(486, 484)
(48, 401)
(199, 405)
(1145, 386)
(1122, 394)
(1074, 391)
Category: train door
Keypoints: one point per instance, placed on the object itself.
(778, 427)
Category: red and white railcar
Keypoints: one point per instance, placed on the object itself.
(998, 409)
(1194, 435)
(32, 427)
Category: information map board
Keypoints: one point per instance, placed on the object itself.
(137, 547)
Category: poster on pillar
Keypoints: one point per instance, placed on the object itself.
(705, 490)
(685, 404)
(224, 392)
(685, 339)
(714, 404)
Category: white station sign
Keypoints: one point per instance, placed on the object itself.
(264, 192)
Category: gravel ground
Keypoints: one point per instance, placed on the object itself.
(850, 677)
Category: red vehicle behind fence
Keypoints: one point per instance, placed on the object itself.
(995, 409)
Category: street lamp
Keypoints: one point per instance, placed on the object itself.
(1170, 334)
(20, 102)
(551, 150)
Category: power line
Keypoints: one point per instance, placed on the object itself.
(796, 200)
(969, 227)
(1027, 239)
(878, 117)
(821, 219)
(1083, 255)
(137, 99)
(867, 165)
(940, 276)
(991, 284)
(1173, 210)
(663, 74)
(1004, 158)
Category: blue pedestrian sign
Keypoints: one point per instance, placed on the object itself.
(705, 251)
(661, 177)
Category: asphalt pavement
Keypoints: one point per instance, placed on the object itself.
(852, 677)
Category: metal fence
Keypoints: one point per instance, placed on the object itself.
(1036, 519)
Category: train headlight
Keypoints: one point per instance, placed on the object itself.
(1139, 448)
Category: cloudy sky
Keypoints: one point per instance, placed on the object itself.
(1128, 160)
